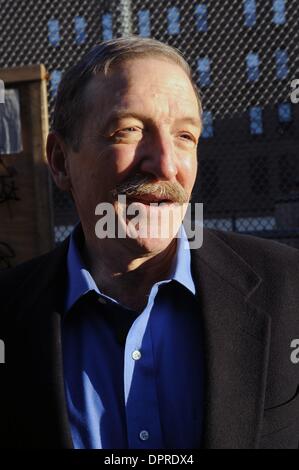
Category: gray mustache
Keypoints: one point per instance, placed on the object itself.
(137, 186)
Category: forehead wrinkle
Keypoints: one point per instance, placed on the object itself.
(123, 79)
(156, 104)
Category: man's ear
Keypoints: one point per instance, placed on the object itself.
(57, 156)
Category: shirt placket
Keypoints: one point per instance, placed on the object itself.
(141, 399)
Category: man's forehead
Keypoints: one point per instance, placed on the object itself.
(119, 93)
(99, 85)
(122, 75)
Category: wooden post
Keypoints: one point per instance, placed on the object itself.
(26, 215)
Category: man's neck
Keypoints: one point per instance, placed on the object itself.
(125, 277)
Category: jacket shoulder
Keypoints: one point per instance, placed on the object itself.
(257, 251)
(13, 279)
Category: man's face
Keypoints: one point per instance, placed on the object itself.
(142, 121)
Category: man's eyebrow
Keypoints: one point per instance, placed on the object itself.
(118, 115)
(196, 122)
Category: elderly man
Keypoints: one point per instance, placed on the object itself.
(134, 341)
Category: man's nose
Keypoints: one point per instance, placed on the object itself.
(159, 157)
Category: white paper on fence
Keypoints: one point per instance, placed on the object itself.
(10, 123)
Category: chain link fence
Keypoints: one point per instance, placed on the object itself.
(244, 55)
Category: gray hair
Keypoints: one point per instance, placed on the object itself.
(103, 57)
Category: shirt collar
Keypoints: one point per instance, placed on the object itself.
(181, 271)
(80, 281)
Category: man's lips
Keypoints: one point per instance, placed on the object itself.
(149, 199)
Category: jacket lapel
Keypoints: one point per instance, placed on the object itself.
(236, 345)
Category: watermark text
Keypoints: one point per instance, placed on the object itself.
(2, 352)
(2, 91)
(154, 221)
(295, 353)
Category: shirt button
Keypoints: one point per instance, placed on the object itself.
(136, 355)
(144, 435)
(102, 300)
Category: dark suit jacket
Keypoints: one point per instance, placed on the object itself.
(248, 294)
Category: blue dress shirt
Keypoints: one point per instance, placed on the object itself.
(133, 380)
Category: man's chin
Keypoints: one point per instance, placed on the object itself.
(148, 245)
(153, 236)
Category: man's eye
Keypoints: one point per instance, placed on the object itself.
(127, 132)
(187, 136)
(129, 129)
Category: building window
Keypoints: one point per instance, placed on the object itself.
(201, 14)
(55, 78)
(279, 12)
(107, 26)
(173, 18)
(53, 32)
(282, 68)
(209, 182)
(288, 171)
(144, 23)
(256, 120)
(253, 63)
(249, 13)
(285, 113)
(259, 175)
(208, 128)
(80, 30)
(204, 71)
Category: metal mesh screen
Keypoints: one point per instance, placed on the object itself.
(243, 53)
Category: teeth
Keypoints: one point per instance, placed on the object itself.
(163, 203)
